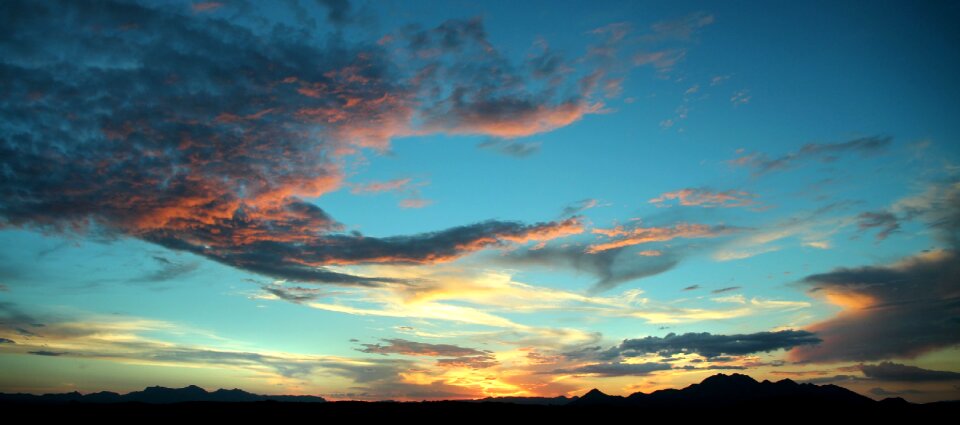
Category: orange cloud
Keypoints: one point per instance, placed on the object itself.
(642, 235)
(415, 203)
(386, 186)
(511, 121)
(706, 198)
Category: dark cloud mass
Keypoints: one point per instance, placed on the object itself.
(896, 311)
(888, 371)
(900, 310)
(709, 345)
(204, 135)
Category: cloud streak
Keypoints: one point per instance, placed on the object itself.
(822, 152)
(706, 198)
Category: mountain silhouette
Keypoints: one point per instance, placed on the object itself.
(730, 390)
(536, 401)
(161, 395)
(734, 396)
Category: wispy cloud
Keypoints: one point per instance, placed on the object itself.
(622, 237)
(823, 152)
(707, 198)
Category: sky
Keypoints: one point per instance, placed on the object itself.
(416, 200)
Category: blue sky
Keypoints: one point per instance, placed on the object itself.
(413, 200)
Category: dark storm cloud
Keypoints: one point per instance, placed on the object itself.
(901, 310)
(888, 371)
(203, 135)
(824, 152)
(885, 221)
(413, 348)
(615, 369)
(709, 345)
(611, 267)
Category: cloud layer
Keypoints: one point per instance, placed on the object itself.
(205, 135)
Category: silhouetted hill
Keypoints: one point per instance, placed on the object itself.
(596, 397)
(537, 401)
(160, 395)
(735, 396)
(731, 390)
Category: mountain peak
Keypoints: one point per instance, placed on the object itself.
(595, 393)
(732, 379)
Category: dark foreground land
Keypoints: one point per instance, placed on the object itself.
(453, 412)
(735, 398)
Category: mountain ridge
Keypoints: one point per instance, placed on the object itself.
(161, 395)
(714, 391)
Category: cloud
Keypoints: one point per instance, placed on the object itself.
(740, 97)
(884, 220)
(692, 288)
(611, 267)
(938, 207)
(899, 310)
(294, 294)
(169, 270)
(575, 208)
(7, 341)
(878, 391)
(709, 345)
(622, 237)
(470, 362)
(707, 198)
(415, 203)
(664, 45)
(205, 6)
(896, 311)
(504, 118)
(385, 186)
(727, 289)
(412, 348)
(46, 353)
(12, 317)
(512, 148)
(614, 369)
(684, 28)
(338, 11)
(888, 371)
(823, 152)
(205, 135)
(662, 60)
